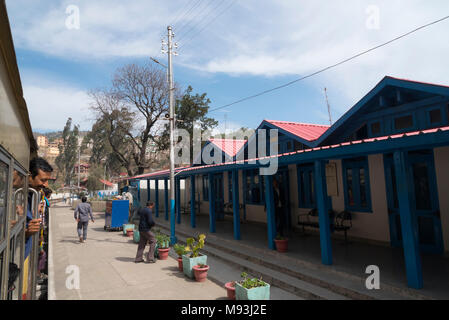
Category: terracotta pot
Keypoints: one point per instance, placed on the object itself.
(230, 288)
(200, 273)
(281, 245)
(180, 266)
(163, 253)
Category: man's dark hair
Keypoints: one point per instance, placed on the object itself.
(39, 163)
(84, 199)
(150, 203)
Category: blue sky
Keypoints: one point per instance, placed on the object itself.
(244, 47)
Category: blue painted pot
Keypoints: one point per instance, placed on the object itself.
(258, 293)
(136, 236)
(188, 264)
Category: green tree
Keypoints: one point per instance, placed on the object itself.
(190, 109)
(68, 152)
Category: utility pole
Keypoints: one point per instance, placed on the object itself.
(328, 107)
(172, 137)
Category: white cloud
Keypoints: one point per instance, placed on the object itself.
(50, 107)
(255, 37)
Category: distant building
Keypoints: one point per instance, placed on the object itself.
(42, 142)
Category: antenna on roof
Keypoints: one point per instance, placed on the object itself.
(328, 106)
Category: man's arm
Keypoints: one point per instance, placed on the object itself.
(76, 213)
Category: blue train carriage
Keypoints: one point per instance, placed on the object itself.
(17, 147)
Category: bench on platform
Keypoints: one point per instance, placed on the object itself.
(340, 222)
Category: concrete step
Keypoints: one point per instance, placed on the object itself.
(269, 262)
(296, 287)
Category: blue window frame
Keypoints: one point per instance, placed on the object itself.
(206, 188)
(306, 186)
(356, 185)
(375, 128)
(404, 123)
(435, 117)
(254, 187)
(230, 185)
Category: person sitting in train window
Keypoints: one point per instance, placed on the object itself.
(40, 171)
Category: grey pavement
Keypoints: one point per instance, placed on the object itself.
(107, 270)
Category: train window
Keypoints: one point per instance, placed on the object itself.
(3, 198)
(14, 261)
(18, 213)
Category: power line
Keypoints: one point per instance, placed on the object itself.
(332, 66)
(179, 17)
(196, 6)
(205, 26)
(211, 9)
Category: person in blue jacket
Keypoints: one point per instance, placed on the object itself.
(146, 236)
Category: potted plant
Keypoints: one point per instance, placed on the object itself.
(251, 289)
(230, 289)
(200, 272)
(180, 251)
(281, 243)
(194, 258)
(126, 227)
(163, 245)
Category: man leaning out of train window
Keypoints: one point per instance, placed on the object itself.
(40, 173)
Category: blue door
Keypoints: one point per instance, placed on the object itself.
(424, 197)
(284, 182)
(219, 196)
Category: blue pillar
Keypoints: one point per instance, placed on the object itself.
(148, 190)
(192, 202)
(409, 225)
(178, 200)
(269, 199)
(173, 239)
(211, 204)
(166, 198)
(138, 192)
(156, 195)
(235, 203)
(323, 212)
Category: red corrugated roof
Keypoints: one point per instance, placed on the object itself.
(390, 137)
(106, 182)
(229, 146)
(306, 131)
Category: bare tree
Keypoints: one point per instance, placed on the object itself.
(129, 113)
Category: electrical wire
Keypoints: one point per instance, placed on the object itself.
(186, 22)
(208, 23)
(332, 66)
(203, 18)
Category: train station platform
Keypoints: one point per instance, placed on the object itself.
(107, 270)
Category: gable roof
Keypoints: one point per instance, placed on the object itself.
(307, 131)
(435, 89)
(228, 146)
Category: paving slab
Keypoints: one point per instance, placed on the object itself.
(107, 270)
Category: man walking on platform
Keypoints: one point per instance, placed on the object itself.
(145, 225)
(82, 213)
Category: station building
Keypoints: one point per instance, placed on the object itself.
(380, 174)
